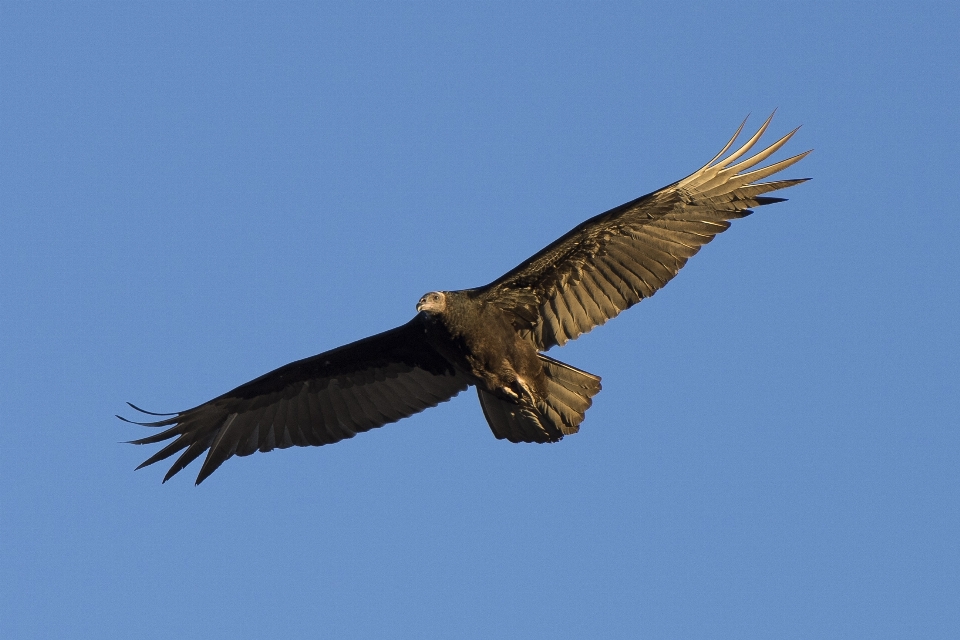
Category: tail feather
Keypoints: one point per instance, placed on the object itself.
(516, 422)
(569, 393)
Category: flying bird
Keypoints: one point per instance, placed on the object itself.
(491, 337)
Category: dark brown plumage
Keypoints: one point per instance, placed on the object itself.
(490, 337)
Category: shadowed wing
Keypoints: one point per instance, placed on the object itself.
(315, 401)
(615, 259)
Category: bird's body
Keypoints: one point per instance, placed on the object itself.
(480, 338)
(490, 337)
(525, 396)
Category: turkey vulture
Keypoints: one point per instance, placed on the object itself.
(490, 337)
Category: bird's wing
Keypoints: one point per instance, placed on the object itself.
(615, 259)
(315, 401)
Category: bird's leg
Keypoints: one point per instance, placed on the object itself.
(524, 389)
(510, 393)
(517, 390)
(513, 385)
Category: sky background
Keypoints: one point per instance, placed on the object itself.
(194, 194)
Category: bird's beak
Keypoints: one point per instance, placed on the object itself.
(420, 306)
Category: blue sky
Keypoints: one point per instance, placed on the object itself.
(194, 194)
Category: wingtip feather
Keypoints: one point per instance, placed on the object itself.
(749, 143)
(149, 413)
(206, 471)
(729, 144)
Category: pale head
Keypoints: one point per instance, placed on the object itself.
(433, 302)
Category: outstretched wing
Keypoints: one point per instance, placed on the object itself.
(312, 402)
(615, 259)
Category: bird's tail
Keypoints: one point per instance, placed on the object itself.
(569, 393)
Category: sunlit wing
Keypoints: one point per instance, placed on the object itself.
(312, 402)
(615, 259)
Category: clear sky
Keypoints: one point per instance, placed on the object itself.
(192, 194)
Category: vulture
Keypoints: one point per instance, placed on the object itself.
(491, 337)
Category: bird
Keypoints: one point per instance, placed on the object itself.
(491, 337)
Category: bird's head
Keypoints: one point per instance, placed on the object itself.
(433, 302)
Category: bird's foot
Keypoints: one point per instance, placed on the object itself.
(524, 390)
